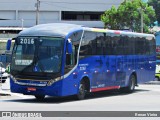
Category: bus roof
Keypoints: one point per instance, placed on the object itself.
(62, 29)
(119, 32)
(51, 29)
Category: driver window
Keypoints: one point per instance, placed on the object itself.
(71, 59)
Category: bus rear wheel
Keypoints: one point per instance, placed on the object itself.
(81, 91)
(39, 97)
(131, 86)
(156, 78)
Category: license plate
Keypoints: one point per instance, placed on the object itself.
(31, 89)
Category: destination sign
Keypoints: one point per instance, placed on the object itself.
(26, 41)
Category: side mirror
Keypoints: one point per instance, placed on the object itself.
(7, 69)
(8, 45)
(69, 46)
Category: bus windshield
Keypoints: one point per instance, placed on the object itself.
(37, 54)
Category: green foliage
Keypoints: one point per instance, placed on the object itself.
(128, 15)
(156, 6)
(111, 16)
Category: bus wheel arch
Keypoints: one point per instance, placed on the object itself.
(83, 88)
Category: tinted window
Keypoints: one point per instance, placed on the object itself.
(88, 44)
(152, 46)
(99, 43)
(107, 45)
(129, 45)
(139, 46)
(114, 44)
(120, 45)
(144, 46)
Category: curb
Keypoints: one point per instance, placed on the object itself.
(153, 83)
(4, 93)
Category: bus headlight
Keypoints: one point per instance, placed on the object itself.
(13, 78)
(53, 81)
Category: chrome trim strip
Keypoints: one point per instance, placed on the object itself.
(31, 79)
(31, 84)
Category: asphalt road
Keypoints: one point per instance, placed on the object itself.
(145, 98)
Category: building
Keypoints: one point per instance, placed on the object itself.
(22, 13)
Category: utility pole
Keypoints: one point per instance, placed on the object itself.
(141, 10)
(37, 11)
(1, 77)
(141, 13)
(22, 23)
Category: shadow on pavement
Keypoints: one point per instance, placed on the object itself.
(59, 100)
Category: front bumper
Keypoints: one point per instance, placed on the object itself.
(53, 90)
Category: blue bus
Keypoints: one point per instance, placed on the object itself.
(60, 59)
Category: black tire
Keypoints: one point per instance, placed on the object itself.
(81, 91)
(156, 78)
(131, 86)
(39, 97)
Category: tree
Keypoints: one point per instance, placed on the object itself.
(128, 15)
(110, 18)
(156, 6)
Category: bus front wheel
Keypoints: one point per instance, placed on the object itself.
(81, 91)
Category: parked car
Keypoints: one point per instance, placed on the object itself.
(3, 75)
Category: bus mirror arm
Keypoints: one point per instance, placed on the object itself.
(8, 45)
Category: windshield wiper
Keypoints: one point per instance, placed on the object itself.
(38, 64)
(27, 67)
